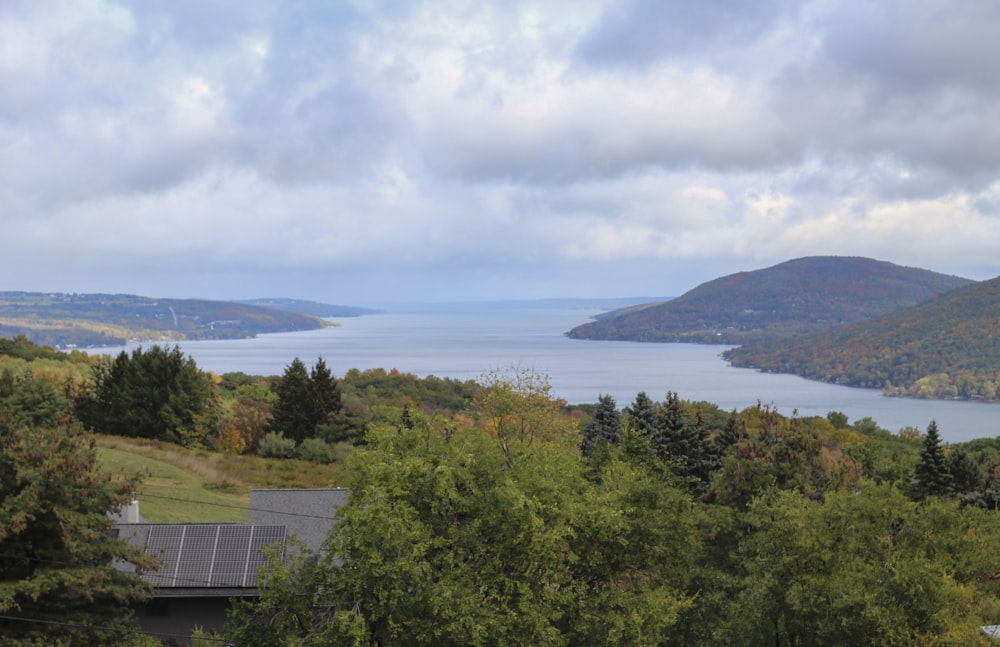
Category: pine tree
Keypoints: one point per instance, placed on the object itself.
(307, 400)
(932, 477)
(676, 438)
(605, 426)
(642, 413)
(55, 541)
(326, 392)
(295, 413)
(158, 393)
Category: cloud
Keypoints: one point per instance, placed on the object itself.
(638, 33)
(406, 143)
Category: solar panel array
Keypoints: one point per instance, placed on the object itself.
(209, 555)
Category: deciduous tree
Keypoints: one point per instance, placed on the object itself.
(487, 537)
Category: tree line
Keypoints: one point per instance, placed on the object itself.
(662, 523)
(516, 519)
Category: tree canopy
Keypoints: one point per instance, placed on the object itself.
(158, 393)
(56, 549)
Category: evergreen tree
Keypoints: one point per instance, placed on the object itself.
(642, 413)
(326, 392)
(56, 548)
(158, 394)
(931, 477)
(295, 413)
(676, 438)
(605, 427)
(964, 472)
(307, 400)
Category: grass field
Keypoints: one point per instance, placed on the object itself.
(181, 485)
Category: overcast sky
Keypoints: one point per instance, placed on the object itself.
(364, 152)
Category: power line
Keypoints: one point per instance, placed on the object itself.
(78, 625)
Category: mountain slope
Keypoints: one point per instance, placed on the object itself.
(793, 298)
(56, 319)
(948, 347)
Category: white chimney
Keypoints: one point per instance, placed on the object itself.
(132, 512)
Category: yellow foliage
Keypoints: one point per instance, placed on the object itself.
(231, 440)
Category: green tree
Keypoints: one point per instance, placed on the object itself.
(294, 412)
(158, 394)
(488, 536)
(865, 567)
(676, 437)
(605, 426)
(964, 473)
(306, 401)
(56, 549)
(642, 413)
(326, 392)
(33, 402)
(931, 477)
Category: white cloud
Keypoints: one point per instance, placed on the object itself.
(492, 137)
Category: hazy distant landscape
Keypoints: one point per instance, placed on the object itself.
(850, 321)
(348, 297)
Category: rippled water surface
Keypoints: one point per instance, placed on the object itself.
(464, 342)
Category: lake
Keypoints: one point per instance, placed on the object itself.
(465, 340)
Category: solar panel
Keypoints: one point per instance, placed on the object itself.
(164, 544)
(209, 555)
(194, 567)
(262, 537)
(231, 556)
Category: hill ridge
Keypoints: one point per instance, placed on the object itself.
(798, 296)
(947, 347)
(68, 320)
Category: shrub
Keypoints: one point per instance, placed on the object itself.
(275, 445)
(316, 450)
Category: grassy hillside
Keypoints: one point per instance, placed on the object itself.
(948, 347)
(188, 485)
(114, 319)
(796, 297)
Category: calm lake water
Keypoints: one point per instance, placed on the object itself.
(465, 341)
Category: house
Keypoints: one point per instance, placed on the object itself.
(204, 566)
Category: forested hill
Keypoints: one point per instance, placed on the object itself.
(56, 319)
(948, 347)
(796, 297)
(313, 308)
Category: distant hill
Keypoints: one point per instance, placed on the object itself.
(793, 298)
(85, 320)
(948, 347)
(313, 308)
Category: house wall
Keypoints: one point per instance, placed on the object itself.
(181, 616)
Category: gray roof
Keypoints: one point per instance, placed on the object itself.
(309, 514)
(205, 559)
